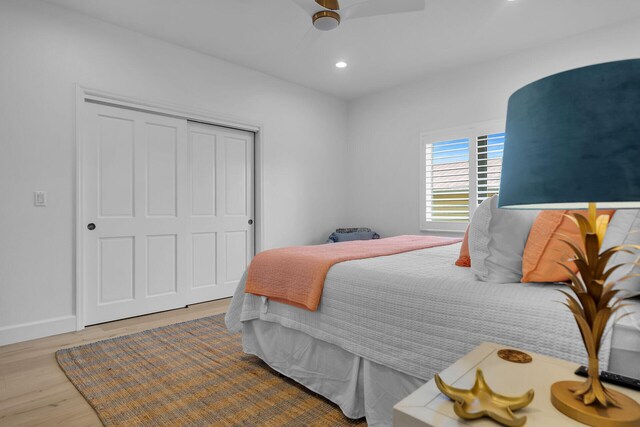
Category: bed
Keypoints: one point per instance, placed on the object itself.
(385, 325)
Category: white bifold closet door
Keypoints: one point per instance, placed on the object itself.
(167, 211)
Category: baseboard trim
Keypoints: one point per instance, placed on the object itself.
(33, 330)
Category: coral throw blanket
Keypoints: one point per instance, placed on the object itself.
(296, 275)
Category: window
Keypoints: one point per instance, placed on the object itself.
(461, 168)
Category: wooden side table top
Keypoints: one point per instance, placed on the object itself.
(427, 407)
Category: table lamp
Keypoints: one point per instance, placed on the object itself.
(573, 141)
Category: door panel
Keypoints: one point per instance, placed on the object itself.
(235, 169)
(161, 170)
(236, 255)
(116, 266)
(203, 173)
(162, 265)
(204, 260)
(115, 166)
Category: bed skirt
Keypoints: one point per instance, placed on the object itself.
(358, 386)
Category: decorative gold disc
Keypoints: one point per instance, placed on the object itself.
(627, 415)
(514, 356)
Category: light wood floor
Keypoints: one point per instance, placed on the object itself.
(35, 392)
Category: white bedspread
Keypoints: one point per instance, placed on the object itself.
(418, 313)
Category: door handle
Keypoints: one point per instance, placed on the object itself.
(91, 226)
(250, 221)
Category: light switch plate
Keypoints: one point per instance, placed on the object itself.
(40, 198)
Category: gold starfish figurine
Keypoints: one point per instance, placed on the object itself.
(481, 401)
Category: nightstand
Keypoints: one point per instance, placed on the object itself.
(427, 407)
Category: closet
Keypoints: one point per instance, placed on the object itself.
(167, 208)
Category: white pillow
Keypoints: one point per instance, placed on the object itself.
(624, 229)
(497, 238)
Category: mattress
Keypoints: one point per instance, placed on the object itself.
(417, 313)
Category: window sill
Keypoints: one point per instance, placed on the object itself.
(445, 227)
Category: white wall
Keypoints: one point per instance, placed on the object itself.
(44, 52)
(384, 128)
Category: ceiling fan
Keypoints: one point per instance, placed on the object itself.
(329, 17)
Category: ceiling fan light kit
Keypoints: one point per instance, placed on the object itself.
(326, 20)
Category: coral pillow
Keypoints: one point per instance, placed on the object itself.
(464, 260)
(544, 249)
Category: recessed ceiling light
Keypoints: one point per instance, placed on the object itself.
(341, 64)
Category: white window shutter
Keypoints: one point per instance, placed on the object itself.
(489, 150)
(447, 181)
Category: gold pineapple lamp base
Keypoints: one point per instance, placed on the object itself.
(627, 415)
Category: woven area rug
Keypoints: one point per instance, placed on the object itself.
(190, 374)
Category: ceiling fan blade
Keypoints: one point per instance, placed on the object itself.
(381, 7)
(309, 6)
(329, 4)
